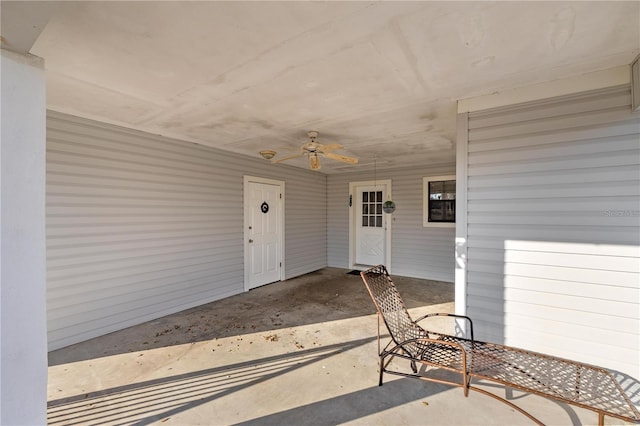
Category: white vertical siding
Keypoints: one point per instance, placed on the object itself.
(139, 226)
(416, 251)
(553, 231)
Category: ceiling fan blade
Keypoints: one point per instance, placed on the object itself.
(291, 157)
(330, 147)
(343, 158)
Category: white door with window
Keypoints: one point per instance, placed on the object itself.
(370, 225)
(263, 231)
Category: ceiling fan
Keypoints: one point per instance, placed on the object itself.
(314, 149)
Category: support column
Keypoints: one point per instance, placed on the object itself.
(23, 340)
(461, 221)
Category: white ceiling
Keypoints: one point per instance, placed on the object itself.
(380, 78)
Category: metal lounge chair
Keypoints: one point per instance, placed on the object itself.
(571, 382)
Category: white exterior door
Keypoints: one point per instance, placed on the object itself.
(263, 233)
(369, 228)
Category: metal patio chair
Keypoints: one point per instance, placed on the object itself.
(571, 382)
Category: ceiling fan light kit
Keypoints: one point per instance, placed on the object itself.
(313, 149)
(314, 161)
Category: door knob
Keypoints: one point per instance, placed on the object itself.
(250, 241)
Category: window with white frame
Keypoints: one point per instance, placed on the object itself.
(439, 201)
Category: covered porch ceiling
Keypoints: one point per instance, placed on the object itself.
(380, 78)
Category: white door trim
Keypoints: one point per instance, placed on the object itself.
(386, 183)
(247, 221)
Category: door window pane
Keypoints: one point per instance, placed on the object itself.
(372, 209)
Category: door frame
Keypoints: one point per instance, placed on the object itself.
(386, 183)
(247, 220)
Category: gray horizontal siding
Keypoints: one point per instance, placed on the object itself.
(553, 234)
(140, 226)
(337, 222)
(305, 222)
(416, 251)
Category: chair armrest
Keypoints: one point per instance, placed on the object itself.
(438, 342)
(441, 314)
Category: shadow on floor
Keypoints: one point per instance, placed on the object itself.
(325, 295)
(156, 400)
(352, 406)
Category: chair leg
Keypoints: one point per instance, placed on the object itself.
(413, 367)
(381, 370)
(466, 379)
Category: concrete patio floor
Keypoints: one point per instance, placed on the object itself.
(298, 352)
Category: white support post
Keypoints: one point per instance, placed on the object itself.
(461, 219)
(23, 339)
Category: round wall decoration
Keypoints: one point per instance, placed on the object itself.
(264, 207)
(389, 206)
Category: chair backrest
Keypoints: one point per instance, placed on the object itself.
(390, 305)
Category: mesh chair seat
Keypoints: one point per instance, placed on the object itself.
(572, 382)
